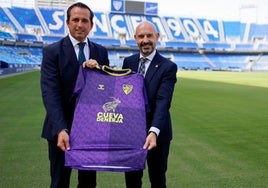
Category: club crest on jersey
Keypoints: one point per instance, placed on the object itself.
(109, 114)
(127, 88)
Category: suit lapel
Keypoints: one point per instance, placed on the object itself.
(154, 66)
(133, 62)
(91, 50)
(69, 53)
(136, 65)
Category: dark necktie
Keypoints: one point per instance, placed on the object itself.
(142, 66)
(81, 55)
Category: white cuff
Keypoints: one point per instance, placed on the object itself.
(155, 130)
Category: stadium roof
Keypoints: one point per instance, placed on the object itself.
(242, 10)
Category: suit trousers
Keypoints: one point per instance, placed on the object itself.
(157, 160)
(60, 175)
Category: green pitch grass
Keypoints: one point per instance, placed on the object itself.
(220, 133)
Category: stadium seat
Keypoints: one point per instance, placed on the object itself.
(226, 45)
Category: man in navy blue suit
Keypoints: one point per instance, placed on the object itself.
(59, 71)
(160, 78)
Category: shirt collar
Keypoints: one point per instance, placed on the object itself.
(151, 56)
(75, 42)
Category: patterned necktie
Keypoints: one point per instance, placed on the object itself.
(142, 66)
(81, 55)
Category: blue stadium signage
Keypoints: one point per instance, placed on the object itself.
(112, 25)
(55, 20)
(172, 28)
(211, 28)
(151, 8)
(118, 6)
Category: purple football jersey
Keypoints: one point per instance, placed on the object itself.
(109, 125)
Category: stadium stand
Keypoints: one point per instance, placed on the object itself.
(193, 44)
(6, 36)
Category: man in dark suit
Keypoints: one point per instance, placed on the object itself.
(160, 78)
(59, 71)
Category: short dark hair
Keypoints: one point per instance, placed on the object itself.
(80, 5)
